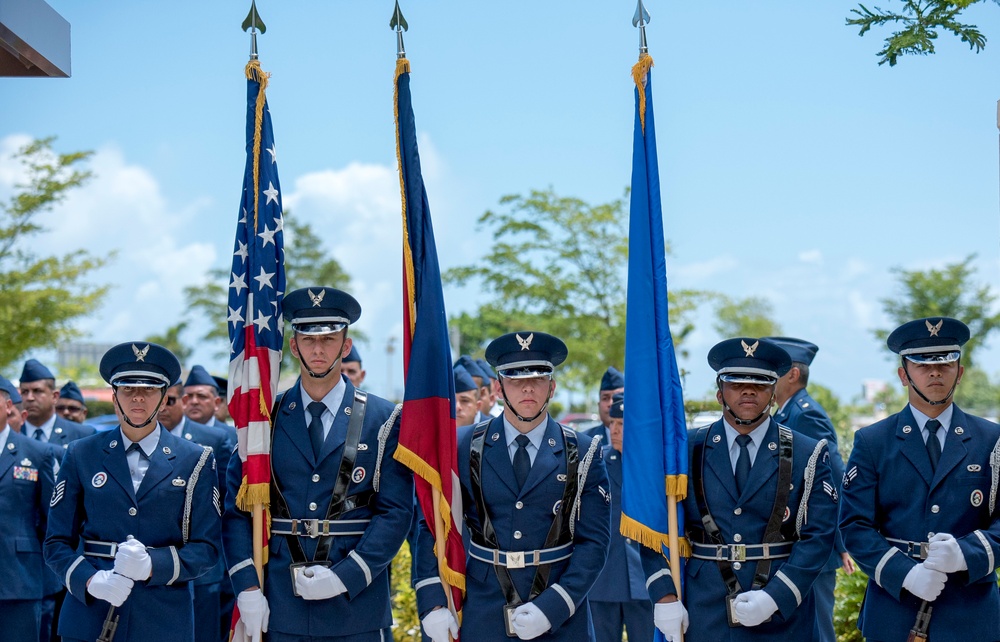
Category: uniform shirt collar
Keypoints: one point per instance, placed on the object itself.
(147, 444)
(4, 434)
(756, 437)
(535, 435)
(178, 430)
(332, 400)
(46, 427)
(944, 418)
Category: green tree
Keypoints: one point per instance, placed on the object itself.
(749, 317)
(948, 292)
(558, 264)
(42, 296)
(977, 394)
(306, 264)
(919, 22)
(171, 340)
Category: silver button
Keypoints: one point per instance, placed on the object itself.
(517, 534)
(737, 537)
(738, 511)
(519, 505)
(935, 508)
(132, 511)
(737, 566)
(312, 505)
(315, 478)
(628, 540)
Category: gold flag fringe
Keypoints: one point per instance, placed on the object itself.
(649, 538)
(639, 73)
(427, 472)
(677, 485)
(254, 73)
(250, 495)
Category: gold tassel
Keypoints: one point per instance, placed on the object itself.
(403, 67)
(639, 72)
(677, 485)
(250, 495)
(254, 73)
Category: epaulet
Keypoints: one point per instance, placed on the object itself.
(803, 402)
(481, 427)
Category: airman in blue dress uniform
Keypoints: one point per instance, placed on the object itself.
(919, 500)
(760, 514)
(619, 598)
(800, 412)
(612, 383)
(135, 514)
(26, 481)
(340, 503)
(537, 505)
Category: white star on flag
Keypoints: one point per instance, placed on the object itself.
(263, 279)
(234, 315)
(242, 252)
(263, 321)
(238, 282)
(267, 236)
(271, 193)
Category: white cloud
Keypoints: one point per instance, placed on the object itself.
(694, 274)
(811, 256)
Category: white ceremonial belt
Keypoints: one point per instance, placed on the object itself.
(740, 552)
(521, 559)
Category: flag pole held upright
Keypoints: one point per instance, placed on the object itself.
(655, 454)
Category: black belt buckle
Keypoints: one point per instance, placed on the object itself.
(508, 619)
(297, 568)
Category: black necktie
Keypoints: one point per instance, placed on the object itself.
(933, 445)
(134, 447)
(316, 409)
(522, 462)
(742, 463)
(39, 434)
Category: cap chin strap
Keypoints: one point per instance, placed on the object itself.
(324, 374)
(745, 422)
(526, 420)
(163, 395)
(922, 395)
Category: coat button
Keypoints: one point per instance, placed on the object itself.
(517, 534)
(935, 508)
(315, 478)
(132, 511)
(737, 537)
(738, 511)
(312, 505)
(737, 566)
(519, 505)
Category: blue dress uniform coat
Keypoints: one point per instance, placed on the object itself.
(94, 501)
(890, 491)
(521, 520)
(742, 520)
(26, 481)
(65, 431)
(622, 583)
(360, 561)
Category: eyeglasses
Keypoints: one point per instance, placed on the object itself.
(68, 408)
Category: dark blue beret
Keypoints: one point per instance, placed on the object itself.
(320, 310)
(71, 391)
(929, 340)
(463, 380)
(525, 354)
(200, 377)
(749, 360)
(35, 371)
(140, 363)
(613, 379)
(800, 351)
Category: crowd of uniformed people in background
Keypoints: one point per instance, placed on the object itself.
(133, 533)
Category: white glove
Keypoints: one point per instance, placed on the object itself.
(110, 587)
(133, 561)
(530, 622)
(318, 583)
(754, 607)
(438, 624)
(254, 614)
(924, 582)
(945, 555)
(671, 618)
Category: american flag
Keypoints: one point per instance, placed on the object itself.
(256, 288)
(428, 444)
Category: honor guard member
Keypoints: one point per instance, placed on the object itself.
(919, 501)
(208, 589)
(612, 383)
(135, 515)
(26, 481)
(801, 413)
(203, 398)
(619, 598)
(351, 367)
(483, 384)
(760, 513)
(491, 408)
(70, 404)
(340, 504)
(537, 505)
(466, 397)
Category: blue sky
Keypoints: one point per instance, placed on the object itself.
(793, 167)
